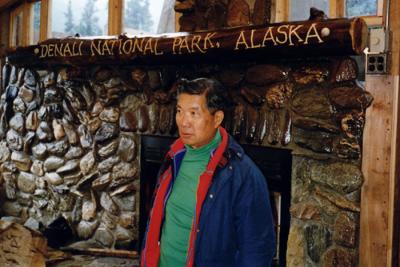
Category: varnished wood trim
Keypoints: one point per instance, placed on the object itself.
(45, 8)
(115, 17)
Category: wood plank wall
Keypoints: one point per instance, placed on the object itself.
(379, 233)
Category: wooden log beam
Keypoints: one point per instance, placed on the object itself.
(333, 37)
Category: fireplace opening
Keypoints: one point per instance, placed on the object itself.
(275, 164)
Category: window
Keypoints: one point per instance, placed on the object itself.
(16, 34)
(86, 17)
(361, 8)
(148, 16)
(294, 10)
(300, 9)
(35, 23)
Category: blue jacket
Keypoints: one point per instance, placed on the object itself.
(236, 225)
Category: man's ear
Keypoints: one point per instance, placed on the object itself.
(218, 118)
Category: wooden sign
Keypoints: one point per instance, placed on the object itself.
(306, 38)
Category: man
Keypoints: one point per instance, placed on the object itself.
(211, 207)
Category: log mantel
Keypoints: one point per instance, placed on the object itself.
(333, 37)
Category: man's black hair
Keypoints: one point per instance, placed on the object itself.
(216, 95)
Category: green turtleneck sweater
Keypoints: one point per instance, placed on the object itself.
(180, 208)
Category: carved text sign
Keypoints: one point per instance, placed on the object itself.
(341, 36)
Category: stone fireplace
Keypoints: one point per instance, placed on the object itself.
(72, 129)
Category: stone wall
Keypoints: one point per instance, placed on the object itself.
(70, 142)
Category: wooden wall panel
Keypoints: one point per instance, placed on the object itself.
(379, 233)
(376, 166)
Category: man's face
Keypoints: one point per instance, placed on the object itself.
(196, 125)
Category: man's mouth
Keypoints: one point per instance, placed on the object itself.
(186, 134)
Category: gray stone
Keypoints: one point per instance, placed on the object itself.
(44, 132)
(108, 149)
(318, 239)
(295, 253)
(71, 179)
(24, 199)
(43, 113)
(342, 177)
(32, 121)
(98, 107)
(8, 166)
(30, 77)
(89, 208)
(127, 148)
(5, 153)
(109, 220)
(86, 181)
(345, 230)
(10, 185)
(70, 132)
(39, 204)
(86, 229)
(93, 124)
(40, 193)
(26, 182)
(102, 182)
(19, 105)
(126, 203)
(317, 141)
(58, 130)
(87, 163)
(37, 168)
(339, 257)
(127, 219)
(104, 236)
(39, 151)
(28, 140)
(33, 224)
(12, 208)
(54, 178)
(125, 189)
(110, 114)
(106, 165)
(350, 97)
(21, 160)
(67, 203)
(26, 94)
(312, 103)
(108, 204)
(85, 136)
(128, 121)
(69, 166)
(313, 73)
(40, 182)
(11, 219)
(14, 140)
(58, 148)
(105, 132)
(122, 234)
(74, 152)
(17, 123)
(124, 169)
(53, 163)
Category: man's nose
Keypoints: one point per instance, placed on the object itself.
(185, 121)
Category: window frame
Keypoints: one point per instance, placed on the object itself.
(13, 14)
(280, 12)
(337, 9)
